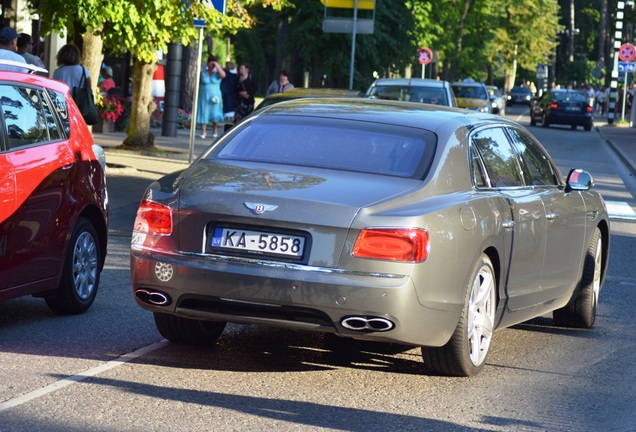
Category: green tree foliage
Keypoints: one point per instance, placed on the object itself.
(140, 27)
(293, 39)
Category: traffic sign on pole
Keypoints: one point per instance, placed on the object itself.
(627, 52)
(425, 55)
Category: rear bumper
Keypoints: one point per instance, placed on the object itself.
(296, 297)
(570, 119)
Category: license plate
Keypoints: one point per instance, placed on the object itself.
(572, 108)
(264, 243)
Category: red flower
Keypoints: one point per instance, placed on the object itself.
(109, 107)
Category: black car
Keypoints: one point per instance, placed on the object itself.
(561, 106)
(520, 95)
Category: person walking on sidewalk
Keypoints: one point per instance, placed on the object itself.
(245, 92)
(280, 85)
(210, 106)
(8, 47)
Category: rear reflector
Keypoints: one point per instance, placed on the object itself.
(392, 244)
(153, 218)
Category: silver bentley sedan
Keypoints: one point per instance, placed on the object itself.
(377, 220)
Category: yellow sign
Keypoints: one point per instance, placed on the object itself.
(349, 4)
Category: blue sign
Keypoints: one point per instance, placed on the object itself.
(219, 5)
(626, 67)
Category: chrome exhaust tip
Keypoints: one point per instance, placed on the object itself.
(155, 298)
(367, 323)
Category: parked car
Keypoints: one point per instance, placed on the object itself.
(520, 95)
(565, 107)
(376, 220)
(497, 101)
(473, 96)
(299, 92)
(436, 92)
(54, 213)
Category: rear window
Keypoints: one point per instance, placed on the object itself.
(470, 92)
(431, 95)
(331, 143)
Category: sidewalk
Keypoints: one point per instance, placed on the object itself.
(623, 142)
(171, 154)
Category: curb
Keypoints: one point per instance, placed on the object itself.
(621, 155)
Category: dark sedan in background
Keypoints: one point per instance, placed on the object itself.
(520, 95)
(563, 107)
(376, 220)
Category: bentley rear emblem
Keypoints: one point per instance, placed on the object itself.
(259, 209)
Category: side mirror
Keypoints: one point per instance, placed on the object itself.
(579, 180)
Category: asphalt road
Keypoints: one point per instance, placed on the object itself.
(109, 370)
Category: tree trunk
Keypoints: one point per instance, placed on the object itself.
(188, 76)
(92, 56)
(138, 132)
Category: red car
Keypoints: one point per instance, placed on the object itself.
(53, 197)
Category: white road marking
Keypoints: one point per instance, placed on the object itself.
(620, 210)
(81, 376)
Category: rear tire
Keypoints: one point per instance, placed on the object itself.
(188, 331)
(580, 312)
(80, 275)
(466, 352)
(588, 127)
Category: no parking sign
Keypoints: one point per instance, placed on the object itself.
(627, 52)
(425, 55)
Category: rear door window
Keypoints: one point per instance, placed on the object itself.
(499, 157)
(24, 120)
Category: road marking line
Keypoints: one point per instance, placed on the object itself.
(620, 210)
(80, 376)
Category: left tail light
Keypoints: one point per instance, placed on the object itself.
(153, 218)
(392, 244)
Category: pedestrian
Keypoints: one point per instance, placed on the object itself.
(8, 47)
(600, 100)
(107, 83)
(589, 94)
(25, 47)
(69, 69)
(245, 91)
(210, 105)
(280, 85)
(227, 90)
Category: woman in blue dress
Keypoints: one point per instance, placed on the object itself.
(210, 105)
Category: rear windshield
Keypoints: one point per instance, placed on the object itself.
(331, 143)
(470, 92)
(569, 96)
(431, 95)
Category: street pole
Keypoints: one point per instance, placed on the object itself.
(195, 97)
(353, 43)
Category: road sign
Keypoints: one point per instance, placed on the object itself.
(349, 4)
(542, 71)
(626, 67)
(627, 52)
(425, 55)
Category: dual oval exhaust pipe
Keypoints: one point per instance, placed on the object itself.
(155, 298)
(355, 323)
(367, 323)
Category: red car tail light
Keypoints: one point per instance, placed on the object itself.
(392, 244)
(589, 109)
(554, 105)
(153, 218)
